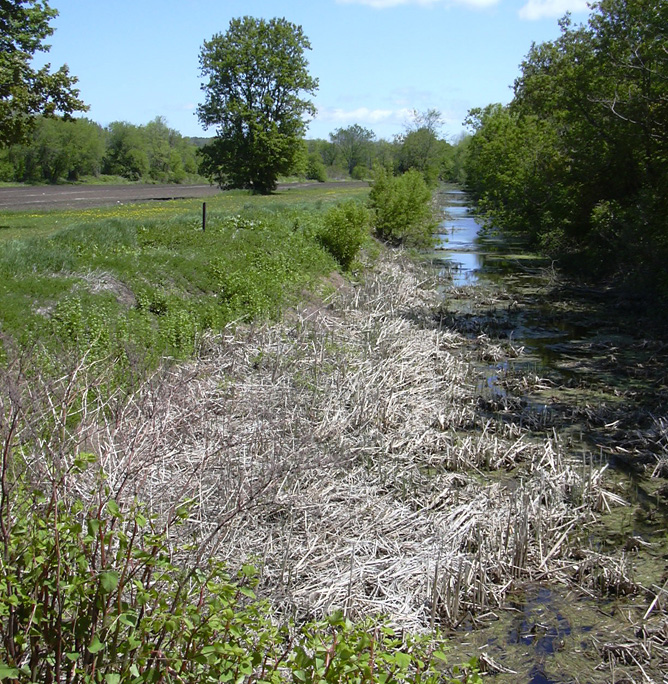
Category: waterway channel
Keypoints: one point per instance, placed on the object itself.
(599, 385)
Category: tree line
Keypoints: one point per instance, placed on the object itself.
(354, 151)
(59, 149)
(578, 161)
(257, 89)
(72, 149)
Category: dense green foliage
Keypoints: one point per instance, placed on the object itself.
(345, 229)
(90, 592)
(353, 144)
(420, 147)
(315, 169)
(579, 159)
(354, 151)
(401, 206)
(254, 95)
(155, 152)
(59, 149)
(24, 91)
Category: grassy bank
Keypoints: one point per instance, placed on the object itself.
(138, 282)
(345, 453)
(324, 495)
(103, 580)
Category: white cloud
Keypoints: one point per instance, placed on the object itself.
(542, 9)
(384, 4)
(361, 115)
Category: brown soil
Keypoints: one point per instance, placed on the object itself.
(83, 196)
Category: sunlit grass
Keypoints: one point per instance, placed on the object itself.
(135, 283)
(18, 224)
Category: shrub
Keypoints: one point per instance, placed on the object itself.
(401, 206)
(346, 227)
(359, 172)
(315, 169)
(90, 593)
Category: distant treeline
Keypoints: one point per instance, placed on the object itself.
(74, 149)
(579, 159)
(354, 152)
(80, 149)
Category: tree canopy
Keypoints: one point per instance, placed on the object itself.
(353, 143)
(420, 146)
(73, 149)
(25, 92)
(579, 158)
(255, 95)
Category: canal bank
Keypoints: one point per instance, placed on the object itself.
(572, 367)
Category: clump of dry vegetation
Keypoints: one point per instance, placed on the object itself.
(342, 452)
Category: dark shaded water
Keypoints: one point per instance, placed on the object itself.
(577, 336)
(606, 394)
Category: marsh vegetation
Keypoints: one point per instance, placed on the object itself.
(358, 453)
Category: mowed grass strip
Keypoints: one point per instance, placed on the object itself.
(139, 282)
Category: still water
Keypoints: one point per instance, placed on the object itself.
(602, 375)
(459, 244)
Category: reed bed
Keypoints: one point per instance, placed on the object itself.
(343, 451)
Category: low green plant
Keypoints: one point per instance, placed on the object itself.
(467, 673)
(90, 593)
(339, 650)
(345, 229)
(151, 288)
(401, 206)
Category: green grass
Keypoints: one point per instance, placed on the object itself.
(22, 224)
(143, 281)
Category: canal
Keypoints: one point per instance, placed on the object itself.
(580, 367)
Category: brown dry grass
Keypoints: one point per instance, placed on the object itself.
(343, 452)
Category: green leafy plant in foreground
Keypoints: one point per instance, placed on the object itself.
(90, 592)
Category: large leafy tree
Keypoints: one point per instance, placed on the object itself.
(256, 97)
(420, 146)
(579, 159)
(25, 92)
(127, 153)
(354, 145)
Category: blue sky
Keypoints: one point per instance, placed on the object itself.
(376, 60)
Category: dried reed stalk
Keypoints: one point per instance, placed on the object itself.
(343, 451)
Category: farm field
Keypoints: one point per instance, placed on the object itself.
(41, 197)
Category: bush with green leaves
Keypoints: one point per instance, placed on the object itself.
(91, 593)
(315, 169)
(345, 229)
(401, 206)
